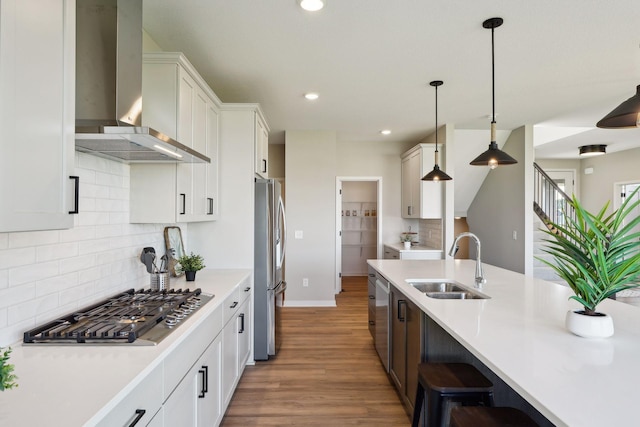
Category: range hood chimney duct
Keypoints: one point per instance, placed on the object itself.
(109, 87)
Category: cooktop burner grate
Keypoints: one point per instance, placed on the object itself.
(123, 318)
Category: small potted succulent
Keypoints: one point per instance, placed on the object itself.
(407, 238)
(7, 377)
(597, 255)
(190, 264)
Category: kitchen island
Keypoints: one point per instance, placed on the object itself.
(88, 385)
(519, 334)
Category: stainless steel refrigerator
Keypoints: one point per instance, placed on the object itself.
(269, 285)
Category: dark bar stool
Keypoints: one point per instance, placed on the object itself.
(442, 382)
(480, 416)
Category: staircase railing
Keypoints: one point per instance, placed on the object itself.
(550, 203)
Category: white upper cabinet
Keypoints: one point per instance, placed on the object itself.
(177, 102)
(420, 199)
(262, 148)
(37, 115)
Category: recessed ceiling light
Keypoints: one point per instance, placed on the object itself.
(385, 132)
(312, 5)
(311, 96)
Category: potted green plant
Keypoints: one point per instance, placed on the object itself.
(597, 255)
(7, 377)
(407, 239)
(190, 264)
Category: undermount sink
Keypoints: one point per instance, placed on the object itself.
(445, 289)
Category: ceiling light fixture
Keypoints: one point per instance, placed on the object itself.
(311, 96)
(311, 5)
(593, 150)
(625, 115)
(493, 156)
(385, 132)
(436, 174)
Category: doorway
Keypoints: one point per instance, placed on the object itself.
(358, 225)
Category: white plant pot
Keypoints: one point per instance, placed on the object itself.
(600, 326)
(407, 245)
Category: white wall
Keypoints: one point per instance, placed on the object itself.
(378, 158)
(228, 242)
(504, 204)
(310, 165)
(44, 274)
(598, 187)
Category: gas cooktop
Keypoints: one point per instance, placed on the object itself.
(142, 317)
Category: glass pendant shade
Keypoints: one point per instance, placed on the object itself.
(625, 115)
(436, 174)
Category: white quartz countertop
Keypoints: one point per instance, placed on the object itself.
(76, 385)
(417, 248)
(519, 334)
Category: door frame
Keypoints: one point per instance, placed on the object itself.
(573, 173)
(338, 261)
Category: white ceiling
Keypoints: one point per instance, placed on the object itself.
(559, 64)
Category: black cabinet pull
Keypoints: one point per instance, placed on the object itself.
(139, 414)
(184, 203)
(241, 323)
(264, 166)
(234, 305)
(371, 322)
(205, 381)
(372, 297)
(210, 199)
(372, 275)
(76, 196)
(401, 303)
(247, 289)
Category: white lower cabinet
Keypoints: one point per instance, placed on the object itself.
(139, 406)
(194, 384)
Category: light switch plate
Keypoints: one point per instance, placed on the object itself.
(298, 234)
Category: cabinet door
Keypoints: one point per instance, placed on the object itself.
(397, 365)
(371, 286)
(414, 351)
(390, 253)
(262, 149)
(210, 387)
(229, 360)
(184, 172)
(212, 193)
(406, 188)
(37, 100)
(244, 322)
(181, 407)
(415, 184)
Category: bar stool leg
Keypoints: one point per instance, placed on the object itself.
(434, 408)
(417, 409)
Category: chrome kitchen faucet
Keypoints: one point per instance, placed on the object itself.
(480, 280)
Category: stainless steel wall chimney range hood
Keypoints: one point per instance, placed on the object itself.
(109, 87)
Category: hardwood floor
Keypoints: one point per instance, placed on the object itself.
(327, 372)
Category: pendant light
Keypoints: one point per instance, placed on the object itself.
(625, 115)
(436, 174)
(493, 156)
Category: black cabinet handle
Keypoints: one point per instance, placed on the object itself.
(205, 381)
(401, 303)
(264, 166)
(184, 203)
(372, 275)
(371, 322)
(76, 197)
(139, 414)
(247, 289)
(241, 323)
(210, 199)
(372, 297)
(234, 305)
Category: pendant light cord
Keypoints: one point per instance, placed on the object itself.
(493, 79)
(436, 123)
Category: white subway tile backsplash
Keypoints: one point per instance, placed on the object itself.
(58, 251)
(33, 272)
(4, 240)
(33, 238)
(56, 284)
(10, 258)
(46, 274)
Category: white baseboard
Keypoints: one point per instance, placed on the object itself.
(322, 303)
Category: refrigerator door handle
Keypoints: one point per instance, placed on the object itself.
(284, 229)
